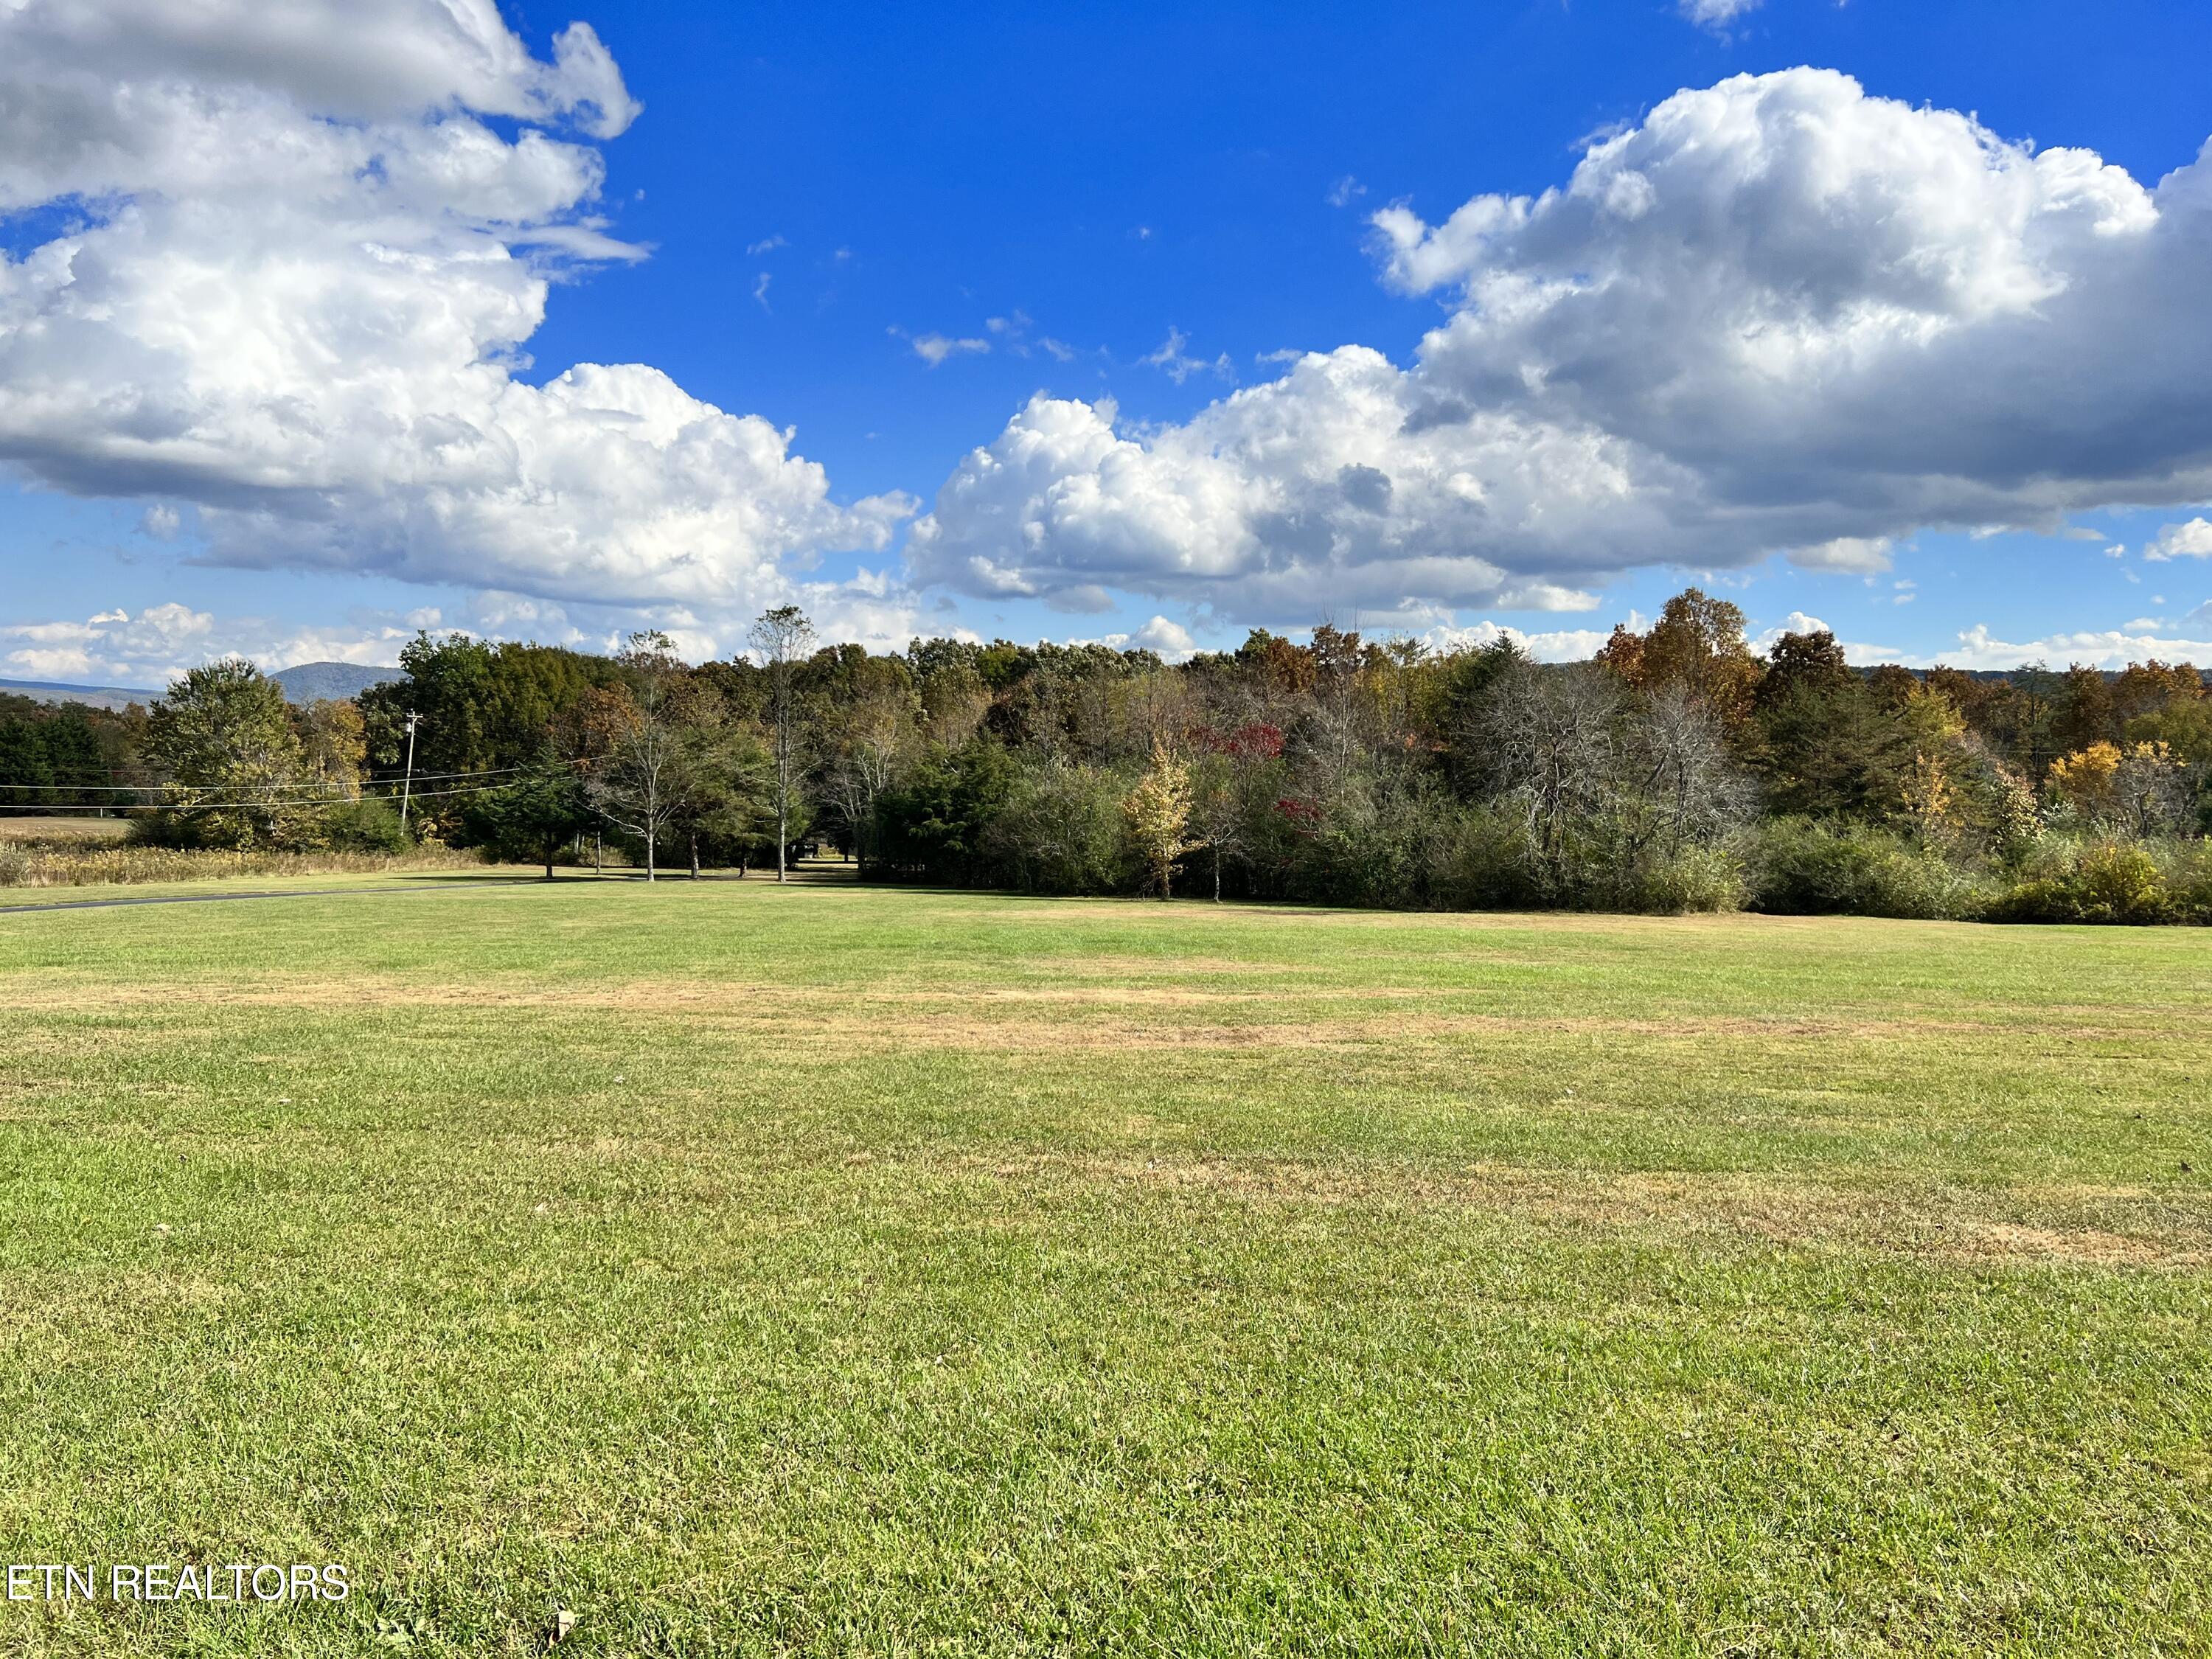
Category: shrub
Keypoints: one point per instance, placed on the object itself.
(1360, 845)
(84, 865)
(1693, 877)
(364, 826)
(1061, 830)
(1799, 866)
(1479, 859)
(2104, 882)
(2188, 870)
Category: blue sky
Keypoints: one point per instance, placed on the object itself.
(886, 229)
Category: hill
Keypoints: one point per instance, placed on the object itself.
(93, 697)
(307, 682)
(313, 682)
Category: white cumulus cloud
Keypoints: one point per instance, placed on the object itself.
(2192, 540)
(159, 642)
(2109, 648)
(1560, 644)
(153, 645)
(1798, 622)
(1171, 639)
(1776, 316)
(292, 271)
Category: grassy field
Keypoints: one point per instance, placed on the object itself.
(60, 826)
(826, 1270)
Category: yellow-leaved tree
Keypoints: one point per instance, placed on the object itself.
(2141, 789)
(1158, 811)
(1930, 796)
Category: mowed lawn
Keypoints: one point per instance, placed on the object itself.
(832, 1270)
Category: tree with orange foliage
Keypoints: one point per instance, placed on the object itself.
(1697, 648)
(1623, 652)
(2147, 688)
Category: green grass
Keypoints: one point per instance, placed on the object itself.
(826, 1270)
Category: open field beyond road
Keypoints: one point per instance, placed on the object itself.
(55, 827)
(831, 1270)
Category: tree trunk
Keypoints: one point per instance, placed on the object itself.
(548, 860)
(648, 852)
(782, 803)
(598, 852)
(1217, 874)
(695, 855)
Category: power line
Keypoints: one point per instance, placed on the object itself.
(238, 805)
(141, 788)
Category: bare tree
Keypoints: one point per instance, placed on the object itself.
(639, 782)
(783, 639)
(1157, 710)
(954, 704)
(1551, 735)
(1679, 771)
(1614, 783)
(1219, 811)
(874, 732)
(2155, 792)
(1334, 739)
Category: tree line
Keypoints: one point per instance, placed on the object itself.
(1677, 770)
(58, 756)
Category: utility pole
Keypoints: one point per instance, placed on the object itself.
(407, 788)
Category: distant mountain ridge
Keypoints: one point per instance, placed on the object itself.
(307, 682)
(93, 697)
(316, 682)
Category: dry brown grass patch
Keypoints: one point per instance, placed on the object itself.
(1012, 1018)
(62, 830)
(1735, 1207)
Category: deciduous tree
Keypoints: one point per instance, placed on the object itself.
(782, 639)
(221, 738)
(644, 756)
(1158, 811)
